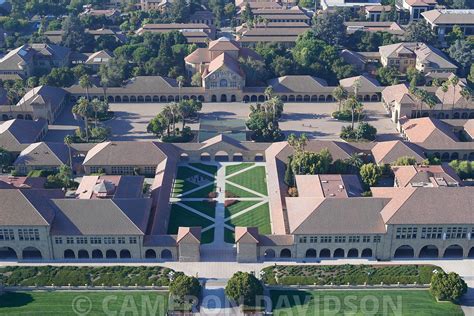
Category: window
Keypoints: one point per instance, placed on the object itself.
(313, 239)
(122, 170)
(133, 240)
(233, 84)
(302, 240)
(120, 240)
(340, 239)
(28, 234)
(7, 234)
(431, 233)
(109, 240)
(81, 240)
(354, 238)
(149, 170)
(377, 239)
(366, 239)
(95, 169)
(223, 83)
(456, 233)
(69, 240)
(96, 240)
(406, 232)
(58, 240)
(213, 84)
(326, 239)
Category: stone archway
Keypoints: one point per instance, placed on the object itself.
(111, 254)
(311, 253)
(429, 251)
(353, 253)
(97, 254)
(269, 254)
(7, 253)
(125, 254)
(338, 253)
(221, 156)
(366, 253)
(223, 98)
(453, 251)
(166, 254)
(285, 253)
(31, 253)
(325, 253)
(150, 254)
(205, 156)
(83, 254)
(404, 251)
(69, 254)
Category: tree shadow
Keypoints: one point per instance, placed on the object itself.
(15, 299)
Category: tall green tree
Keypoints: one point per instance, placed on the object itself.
(447, 286)
(244, 288)
(330, 28)
(420, 31)
(370, 174)
(83, 109)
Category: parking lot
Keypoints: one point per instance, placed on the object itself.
(314, 119)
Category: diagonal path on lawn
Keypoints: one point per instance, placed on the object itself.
(196, 189)
(195, 211)
(201, 171)
(246, 189)
(248, 209)
(241, 171)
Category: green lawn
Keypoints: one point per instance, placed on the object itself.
(254, 179)
(70, 304)
(229, 236)
(238, 207)
(206, 168)
(208, 236)
(258, 217)
(206, 207)
(182, 217)
(203, 192)
(237, 192)
(405, 302)
(234, 168)
(181, 185)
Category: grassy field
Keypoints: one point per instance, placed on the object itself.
(258, 217)
(229, 236)
(208, 236)
(72, 303)
(383, 302)
(254, 179)
(182, 217)
(181, 185)
(206, 168)
(234, 168)
(205, 207)
(238, 207)
(233, 191)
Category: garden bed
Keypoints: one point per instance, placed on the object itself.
(348, 274)
(79, 276)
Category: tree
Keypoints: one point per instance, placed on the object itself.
(282, 66)
(454, 35)
(420, 31)
(85, 83)
(453, 81)
(330, 28)
(298, 143)
(196, 80)
(370, 174)
(405, 161)
(463, 53)
(68, 140)
(180, 11)
(244, 288)
(83, 109)
(158, 125)
(263, 120)
(340, 94)
(185, 289)
(255, 71)
(471, 75)
(5, 158)
(74, 35)
(388, 76)
(365, 131)
(305, 162)
(354, 106)
(447, 287)
(180, 81)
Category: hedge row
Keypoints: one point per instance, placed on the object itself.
(76, 276)
(348, 274)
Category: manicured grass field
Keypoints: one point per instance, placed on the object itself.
(238, 207)
(182, 217)
(70, 303)
(258, 217)
(237, 192)
(206, 168)
(205, 207)
(203, 192)
(181, 185)
(359, 302)
(208, 236)
(254, 179)
(229, 236)
(234, 168)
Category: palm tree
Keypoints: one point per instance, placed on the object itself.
(68, 140)
(454, 82)
(180, 81)
(184, 111)
(356, 87)
(82, 108)
(95, 105)
(268, 92)
(167, 113)
(444, 89)
(104, 81)
(466, 94)
(340, 94)
(85, 83)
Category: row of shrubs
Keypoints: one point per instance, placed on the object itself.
(78, 276)
(348, 274)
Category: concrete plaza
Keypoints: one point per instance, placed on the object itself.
(314, 119)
